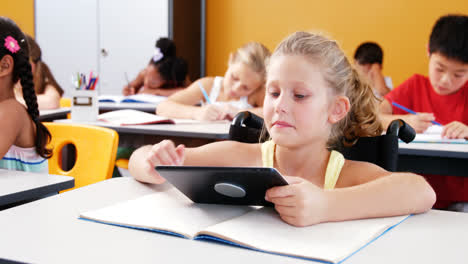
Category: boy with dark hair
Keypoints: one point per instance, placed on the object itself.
(368, 60)
(441, 97)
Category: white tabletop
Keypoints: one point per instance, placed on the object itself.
(215, 130)
(434, 149)
(53, 113)
(146, 107)
(49, 231)
(17, 186)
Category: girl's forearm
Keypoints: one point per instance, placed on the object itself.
(396, 194)
(138, 167)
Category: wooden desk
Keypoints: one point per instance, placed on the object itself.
(18, 186)
(49, 231)
(434, 158)
(50, 115)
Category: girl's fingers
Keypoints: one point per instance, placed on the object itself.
(180, 151)
(284, 201)
(285, 210)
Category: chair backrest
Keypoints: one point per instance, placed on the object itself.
(247, 127)
(96, 148)
(381, 150)
(65, 102)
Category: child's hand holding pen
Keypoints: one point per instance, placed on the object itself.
(420, 122)
(210, 112)
(128, 89)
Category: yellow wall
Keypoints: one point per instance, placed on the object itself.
(401, 27)
(20, 11)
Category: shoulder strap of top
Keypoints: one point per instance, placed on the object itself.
(335, 164)
(214, 93)
(268, 153)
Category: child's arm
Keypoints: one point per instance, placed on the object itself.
(364, 190)
(167, 91)
(12, 115)
(455, 130)
(419, 122)
(135, 85)
(50, 99)
(145, 159)
(182, 104)
(377, 79)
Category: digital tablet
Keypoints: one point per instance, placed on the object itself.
(223, 185)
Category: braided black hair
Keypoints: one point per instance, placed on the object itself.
(22, 71)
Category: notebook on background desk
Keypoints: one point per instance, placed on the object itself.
(129, 117)
(433, 135)
(136, 98)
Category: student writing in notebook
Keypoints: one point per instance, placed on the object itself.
(443, 95)
(440, 97)
(164, 75)
(48, 91)
(314, 102)
(241, 88)
(368, 60)
(23, 137)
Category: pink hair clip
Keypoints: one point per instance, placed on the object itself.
(11, 44)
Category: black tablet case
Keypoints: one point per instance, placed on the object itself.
(198, 183)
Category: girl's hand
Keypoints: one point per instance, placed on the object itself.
(164, 153)
(420, 122)
(230, 111)
(210, 113)
(128, 90)
(301, 203)
(455, 130)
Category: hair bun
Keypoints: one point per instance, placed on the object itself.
(167, 47)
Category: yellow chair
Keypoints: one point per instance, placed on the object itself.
(96, 149)
(122, 163)
(65, 102)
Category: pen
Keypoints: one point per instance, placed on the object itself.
(207, 99)
(126, 78)
(413, 112)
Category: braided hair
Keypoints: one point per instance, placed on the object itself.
(22, 72)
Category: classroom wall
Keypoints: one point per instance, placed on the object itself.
(401, 27)
(21, 11)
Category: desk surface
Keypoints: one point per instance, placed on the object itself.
(215, 130)
(434, 158)
(434, 149)
(49, 115)
(106, 106)
(48, 231)
(17, 186)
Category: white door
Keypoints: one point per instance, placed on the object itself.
(127, 35)
(67, 33)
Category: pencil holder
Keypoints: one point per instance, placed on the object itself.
(84, 105)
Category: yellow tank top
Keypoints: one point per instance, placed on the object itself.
(332, 173)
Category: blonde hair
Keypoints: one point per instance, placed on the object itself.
(342, 78)
(253, 54)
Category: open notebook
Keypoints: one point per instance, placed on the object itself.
(129, 117)
(256, 228)
(433, 135)
(136, 98)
